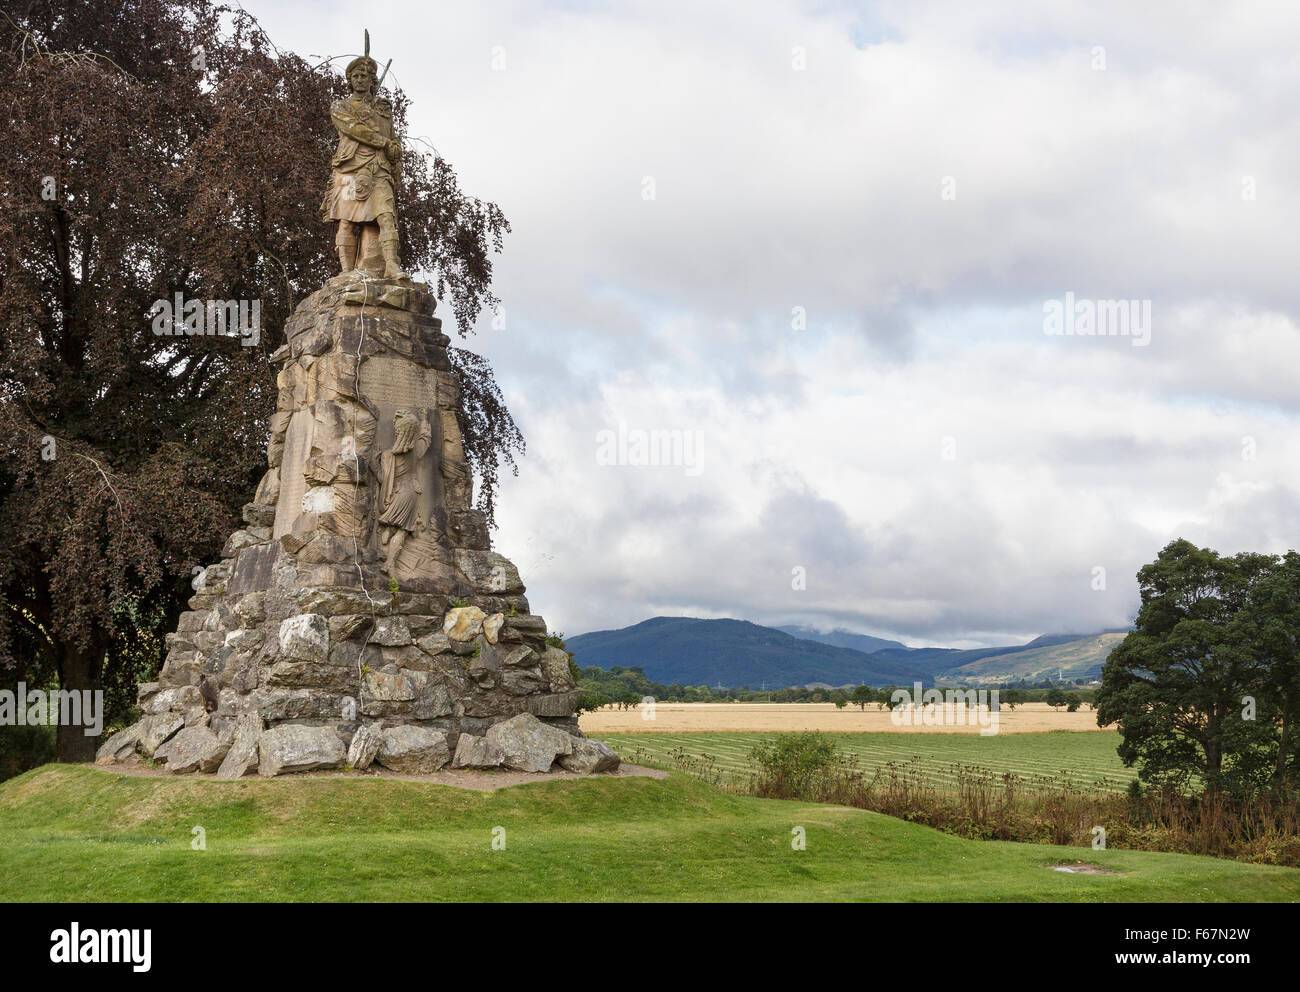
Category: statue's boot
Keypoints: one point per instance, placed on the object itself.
(345, 258)
(392, 265)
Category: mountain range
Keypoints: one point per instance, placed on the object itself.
(734, 653)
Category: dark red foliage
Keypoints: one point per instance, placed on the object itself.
(153, 147)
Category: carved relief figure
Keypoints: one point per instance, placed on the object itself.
(399, 482)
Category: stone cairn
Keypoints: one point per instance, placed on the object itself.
(360, 614)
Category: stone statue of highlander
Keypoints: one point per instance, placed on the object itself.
(360, 615)
(363, 175)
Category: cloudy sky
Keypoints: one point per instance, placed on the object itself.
(817, 246)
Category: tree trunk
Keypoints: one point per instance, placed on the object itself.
(1284, 745)
(78, 671)
(1213, 759)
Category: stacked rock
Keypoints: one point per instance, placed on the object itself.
(360, 614)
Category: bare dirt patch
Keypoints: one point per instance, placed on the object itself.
(1083, 868)
(461, 778)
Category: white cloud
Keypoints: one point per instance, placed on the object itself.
(821, 189)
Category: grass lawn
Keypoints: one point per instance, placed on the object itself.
(1086, 759)
(78, 833)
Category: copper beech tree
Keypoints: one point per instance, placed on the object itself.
(155, 148)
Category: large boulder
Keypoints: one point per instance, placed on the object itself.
(434, 701)
(434, 643)
(499, 656)
(522, 681)
(353, 625)
(388, 687)
(491, 573)
(242, 756)
(555, 666)
(552, 703)
(155, 730)
(277, 704)
(334, 602)
(528, 744)
(237, 542)
(196, 749)
(391, 632)
(309, 674)
(590, 756)
(463, 623)
(120, 746)
(413, 750)
(365, 745)
(477, 752)
(294, 748)
(305, 637)
(212, 579)
(147, 690)
(181, 697)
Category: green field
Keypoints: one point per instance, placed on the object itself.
(77, 833)
(1085, 759)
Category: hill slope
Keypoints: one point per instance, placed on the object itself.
(1080, 659)
(928, 663)
(841, 638)
(730, 653)
(78, 833)
(736, 653)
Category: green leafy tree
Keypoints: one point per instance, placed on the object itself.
(1175, 685)
(862, 695)
(1271, 625)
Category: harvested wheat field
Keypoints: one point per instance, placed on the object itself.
(676, 718)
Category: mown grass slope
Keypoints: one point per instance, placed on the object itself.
(79, 833)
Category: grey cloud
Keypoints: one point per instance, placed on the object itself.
(822, 189)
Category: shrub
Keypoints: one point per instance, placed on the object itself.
(796, 766)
